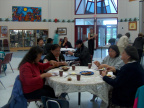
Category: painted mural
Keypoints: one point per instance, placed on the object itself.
(21, 13)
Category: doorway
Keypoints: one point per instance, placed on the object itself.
(82, 28)
(106, 29)
(82, 32)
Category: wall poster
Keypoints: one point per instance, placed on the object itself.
(21, 13)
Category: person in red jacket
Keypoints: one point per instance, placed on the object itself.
(31, 75)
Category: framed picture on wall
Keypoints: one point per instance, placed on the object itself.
(62, 31)
(132, 25)
(3, 31)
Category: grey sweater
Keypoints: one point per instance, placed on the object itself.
(115, 62)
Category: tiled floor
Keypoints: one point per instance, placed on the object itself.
(9, 79)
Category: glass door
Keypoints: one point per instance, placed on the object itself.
(82, 32)
(111, 33)
(101, 35)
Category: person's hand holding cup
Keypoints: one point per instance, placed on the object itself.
(97, 63)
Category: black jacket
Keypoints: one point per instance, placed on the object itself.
(128, 79)
(68, 44)
(47, 48)
(138, 43)
(84, 55)
(50, 56)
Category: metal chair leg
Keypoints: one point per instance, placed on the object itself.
(11, 67)
(2, 84)
(68, 97)
(4, 70)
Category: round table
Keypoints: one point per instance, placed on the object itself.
(88, 83)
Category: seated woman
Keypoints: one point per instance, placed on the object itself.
(113, 59)
(55, 55)
(30, 76)
(66, 43)
(128, 79)
(82, 52)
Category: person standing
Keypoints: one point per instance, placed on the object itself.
(123, 42)
(56, 38)
(117, 39)
(91, 38)
(138, 44)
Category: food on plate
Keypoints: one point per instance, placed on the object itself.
(73, 73)
(108, 75)
(69, 78)
(101, 69)
(65, 68)
(86, 73)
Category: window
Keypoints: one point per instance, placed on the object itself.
(106, 6)
(88, 21)
(84, 6)
(26, 38)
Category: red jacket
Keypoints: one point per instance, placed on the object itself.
(30, 76)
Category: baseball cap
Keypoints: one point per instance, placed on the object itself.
(79, 42)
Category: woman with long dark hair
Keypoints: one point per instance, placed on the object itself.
(30, 76)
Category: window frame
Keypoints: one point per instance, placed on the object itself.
(106, 13)
(85, 8)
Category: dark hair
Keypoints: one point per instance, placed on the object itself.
(65, 37)
(31, 55)
(119, 35)
(56, 31)
(49, 40)
(39, 39)
(54, 46)
(91, 28)
(140, 34)
(79, 42)
(115, 48)
(132, 52)
(127, 34)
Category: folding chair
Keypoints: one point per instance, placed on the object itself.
(54, 103)
(7, 60)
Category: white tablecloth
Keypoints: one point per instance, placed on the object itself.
(92, 83)
(67, 49)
